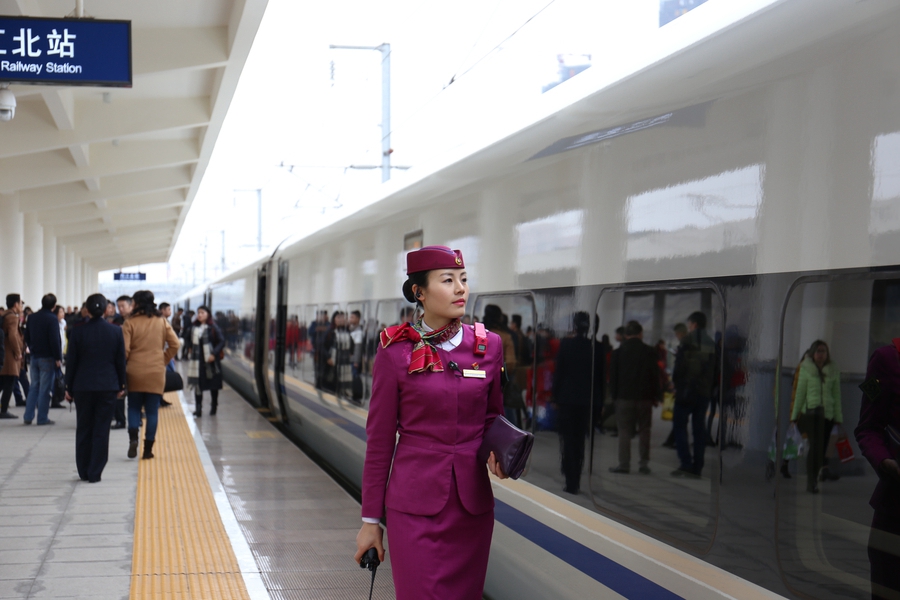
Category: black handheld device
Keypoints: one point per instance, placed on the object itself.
(370, 561)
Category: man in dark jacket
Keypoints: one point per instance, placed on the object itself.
(42, 338)
(634, 385)
(695, 379)
(578, 368)
(95, 376)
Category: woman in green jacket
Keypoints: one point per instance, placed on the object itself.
(817, 407)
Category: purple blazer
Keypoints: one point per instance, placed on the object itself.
(874, 416)
(441, 419)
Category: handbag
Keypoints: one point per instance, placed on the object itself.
(59, 387)
(174, 382)
(511, 446)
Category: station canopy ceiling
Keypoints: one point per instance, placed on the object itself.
(111, 172)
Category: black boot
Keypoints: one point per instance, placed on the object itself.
(214, 404)
(132, 442)
(148, 449)
(784, 470)
(198, 402)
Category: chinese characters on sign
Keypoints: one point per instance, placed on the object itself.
(129, 276)
(65, 51)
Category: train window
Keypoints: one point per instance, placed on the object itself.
(394, 312)
(663, 346)
(302, 329)
(513, 317)
(830, 330)
(412, 241)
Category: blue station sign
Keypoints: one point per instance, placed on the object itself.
(129, 277)
(65, 51)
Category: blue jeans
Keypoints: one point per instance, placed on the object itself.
(43, 372)
(696, 412)
(150, 403)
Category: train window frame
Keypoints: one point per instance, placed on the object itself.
(783, 413)
(716, 478)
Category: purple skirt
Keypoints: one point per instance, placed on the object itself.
(440, 557)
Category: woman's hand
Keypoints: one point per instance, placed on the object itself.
(370, 536)
(494, 466)
(211, 358)
(891, 469)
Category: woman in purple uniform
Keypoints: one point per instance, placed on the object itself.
(437, 383)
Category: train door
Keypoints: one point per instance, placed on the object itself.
(280, 306)
(361, 382)
(261, 345)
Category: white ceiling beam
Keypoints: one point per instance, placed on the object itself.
(92, 184)
(81, 154)
(131, 205)
(24, 172)
(118, 186)
(158, 50)
(98, 121)
(126, 239)
(61, 104)
(15, 8)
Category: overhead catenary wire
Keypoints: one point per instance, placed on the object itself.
(456, 77)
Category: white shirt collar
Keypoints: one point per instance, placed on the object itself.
(450, 344)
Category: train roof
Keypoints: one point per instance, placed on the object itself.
(715, 51)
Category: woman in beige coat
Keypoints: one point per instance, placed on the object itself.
(150, 344)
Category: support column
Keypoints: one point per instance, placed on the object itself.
(61, 275)
(50, 282)
(34, 288)
(12, 246)
(79, 280)
(70, 281)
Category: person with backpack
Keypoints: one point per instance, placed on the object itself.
(695, 378)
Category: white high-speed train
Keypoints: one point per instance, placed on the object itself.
(749, 168)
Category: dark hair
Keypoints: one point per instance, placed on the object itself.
(698, 319)
(633, 328)
(357, 313)
(209, 314)
(126, 298)
(335, 315)
(48, 301)
(96, 305)
(164, 305)
(680, 328)
(144, 304)
(493, 317)
(581, 322)
(58, 308)
(517, 319)
(12, 300)
(620, 330)
(815, 346)
(419, 279)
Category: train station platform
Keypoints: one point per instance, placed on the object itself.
(228, 508)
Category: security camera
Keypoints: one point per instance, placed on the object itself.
(7, 105)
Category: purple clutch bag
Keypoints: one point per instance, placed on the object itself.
(510, 445)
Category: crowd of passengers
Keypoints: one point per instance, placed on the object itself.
(103, 357)
(572, 382)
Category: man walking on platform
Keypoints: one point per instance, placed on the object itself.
(695, 376)
(125, 305)
(634, 385)
(14, 352)
(42, 338)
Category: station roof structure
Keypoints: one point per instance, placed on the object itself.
(112, 172)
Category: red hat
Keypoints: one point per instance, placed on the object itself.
(433, 257)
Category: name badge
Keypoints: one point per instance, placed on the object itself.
(476, 373)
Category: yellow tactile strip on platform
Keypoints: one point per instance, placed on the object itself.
(181, 549)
